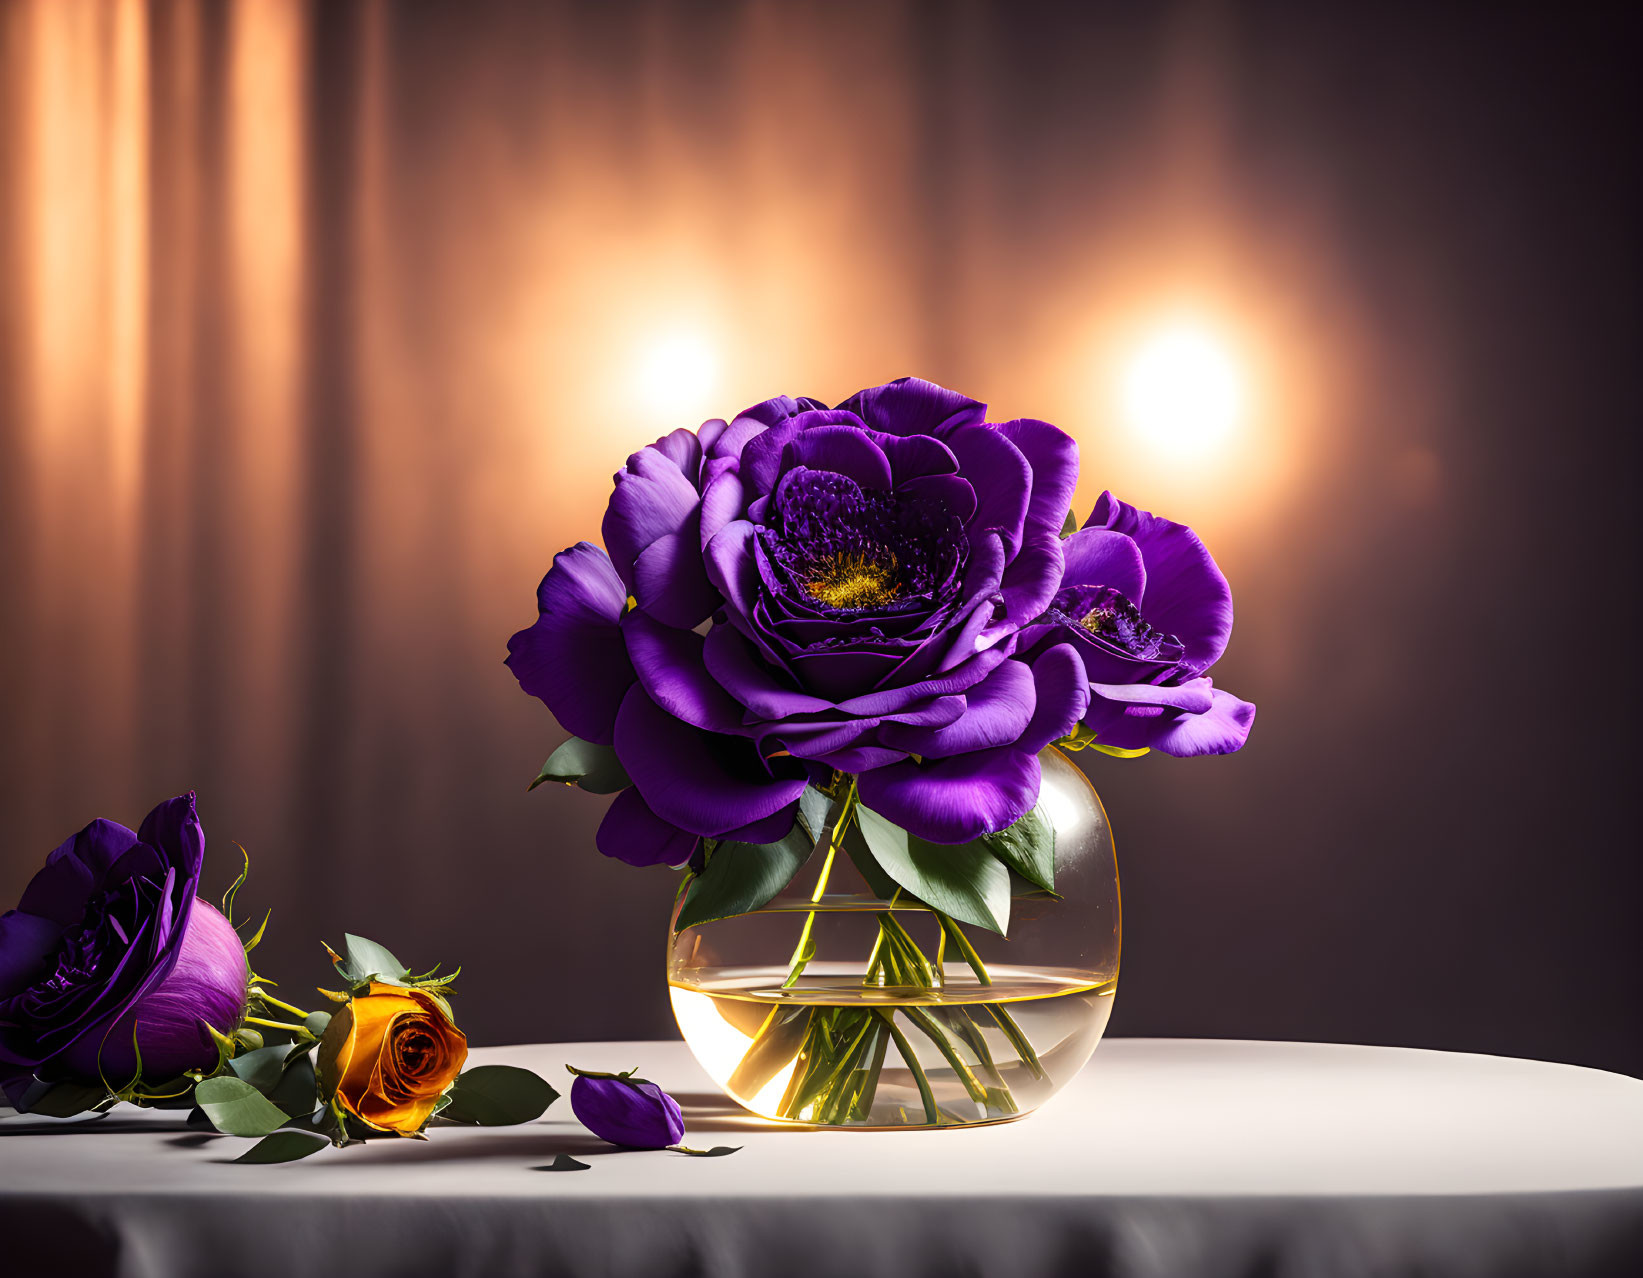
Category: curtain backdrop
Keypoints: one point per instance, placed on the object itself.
(322, 326)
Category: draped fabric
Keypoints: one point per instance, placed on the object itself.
(324, 323)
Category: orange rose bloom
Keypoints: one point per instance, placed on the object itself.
(389, 1055)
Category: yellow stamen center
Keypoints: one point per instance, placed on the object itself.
(854, 581)
(1097, 621)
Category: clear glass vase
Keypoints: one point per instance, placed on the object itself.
(839, 1006)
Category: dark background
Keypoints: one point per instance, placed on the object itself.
(318, 330)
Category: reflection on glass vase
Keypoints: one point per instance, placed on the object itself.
(845, 1003)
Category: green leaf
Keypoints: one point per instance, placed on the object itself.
(564, 1162)
(718, 1151)
(263, 1068)
(284, 1146)
(594, 768)
(61, 1100)
(236, 1107)
(364, 960)
(1069, 525)
(878, 882)
(964, 880)
(1027, 847)
(814, 806)
(743, 877)
(297, 1091)
(261, 928)
(317, 1023)
(498, 1096)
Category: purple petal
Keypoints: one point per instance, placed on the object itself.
(573, 659)
(684, 449)
(73, 872)
(668, 663)
(843, 450)
(1192, 697)
(1002, 479)
(761, 458)
(669, 580)
(1031, 580)
(174, 828)
(733, 662)
(861, 759)
(1186, 594)
(955, 800)
(961, 678)
(956, 495)
(1101, 557)
(771, 411)
(698, 781)
(631, 832)
(1221, 728)
(653, 499)
(768, 829)
(1063, 696)
(735, 437)
(997, 711)
(28, 944)
(707, 434)
(836, 673)
(207, 986)
(722, 501)
(812, 740)
(733, 570)
(1053, 456)
(912, 406)
(635, 1114)
(914, 456)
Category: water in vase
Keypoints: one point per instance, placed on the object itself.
(833, 1048)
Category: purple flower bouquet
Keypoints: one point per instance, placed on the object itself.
(866, 628)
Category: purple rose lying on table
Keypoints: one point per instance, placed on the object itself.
(879, 591)
(110, 942)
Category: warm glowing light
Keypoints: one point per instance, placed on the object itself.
(679, 369)
(720, 1046)
(1184, 391)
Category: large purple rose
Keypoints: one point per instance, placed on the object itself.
(1147, 611)
(109, 938)
(867, 569)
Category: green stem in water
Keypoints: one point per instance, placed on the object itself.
(921, 1017)
(1018, 1040)
(931, 1114)
(1006, 1022)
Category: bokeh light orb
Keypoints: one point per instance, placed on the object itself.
(1183, 390)
(675, 370)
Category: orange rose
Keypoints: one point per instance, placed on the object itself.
(389, 1055)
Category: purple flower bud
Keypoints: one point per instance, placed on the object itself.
(109, 936)
(626, 1111)
(207, 987)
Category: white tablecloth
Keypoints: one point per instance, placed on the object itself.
(1164, 1159)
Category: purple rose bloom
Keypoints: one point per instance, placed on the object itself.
(109, 936)
(868, 570)
(1147, 611)
(626, 1111)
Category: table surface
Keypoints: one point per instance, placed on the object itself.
(1164, 1157)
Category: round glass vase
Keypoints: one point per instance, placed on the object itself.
(840, 1006)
